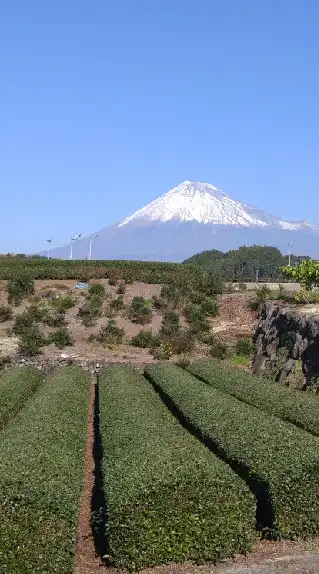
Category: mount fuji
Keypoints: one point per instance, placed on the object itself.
(190, 218)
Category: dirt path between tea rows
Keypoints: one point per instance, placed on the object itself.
(283, 557)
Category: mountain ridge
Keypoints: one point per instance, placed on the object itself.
(189, 218)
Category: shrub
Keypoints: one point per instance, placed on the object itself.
(30, 341)
(5, 313)
(244, 347)
(61, 338)
(293, 406)
(121, 289)
(182, 342)
(211, 283)
(218, 349)
(112, 282)
(196, 318)
(110, 334)
(143, 339)
(118, 303)
(19, 288)
(97, 289)
(17, 385)
(55, 320)
(163, 487)
(162, 351)
(209, 307)
(91, 309)
(170, 324)
(279, 460)
(253, 304)
(140, 311)
(62, 304)
(23, 322)
(183, 362)
(41, 476)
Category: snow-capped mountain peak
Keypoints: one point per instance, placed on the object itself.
(206, 204)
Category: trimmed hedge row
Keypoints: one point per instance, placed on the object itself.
(41, 475)
(169, 498)
(280, 461)
(146, 271)
(17, 385)
(301, 409)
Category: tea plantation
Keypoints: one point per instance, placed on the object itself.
(189, 465)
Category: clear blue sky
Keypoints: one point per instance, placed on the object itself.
(105, 105)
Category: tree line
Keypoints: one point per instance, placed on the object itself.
(255, 263)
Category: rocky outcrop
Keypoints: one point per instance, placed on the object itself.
(286, 342)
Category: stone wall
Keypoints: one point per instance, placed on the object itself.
(287, 345)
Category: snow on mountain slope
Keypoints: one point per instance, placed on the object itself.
(205, 203)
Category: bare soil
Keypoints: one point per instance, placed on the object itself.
(233, 321)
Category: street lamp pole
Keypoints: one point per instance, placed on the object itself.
(49, 241)
(73, 239)
(90, 245)
(290, 244)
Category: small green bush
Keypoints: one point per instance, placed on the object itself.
(244, 347)
(41, 476)
(182, 342)
(279, 460)
(62, 304)
(293, 406)
(5, 313)
(162, 351)
(140, 311)
(110, 334)
(30, 341)
(112, 281)
(17, 385)
(209, 307)
(61, 338)
(170, 324)
(23, 322)
(196, 318)
(121, 289)
(55, 320)
(169, 498)
(19, 289)
(118, 303)
(218, 349)
(97, 289)
(91, 310)
(143, 339)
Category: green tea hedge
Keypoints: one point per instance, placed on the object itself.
(301, 409)
(280, 461)
(17, 385)
(169, 499)
(41, 475)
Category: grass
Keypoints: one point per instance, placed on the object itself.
(278, 460)
(17, 385)
(41, 476)
(300, 409)
(169, 498)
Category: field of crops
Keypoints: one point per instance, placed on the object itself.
(193, 465)
(147, 272)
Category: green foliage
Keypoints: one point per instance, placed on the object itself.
(31, 340)
(91, 310)
(196, 317)
(306, 273)
(112, 281)
(97, 289)
(62, 304)
(5, 313)
(140, 311)
(117, 304)
(41, 476)
(24, 322)
(183, 341)
(55, 320)
(17, 385)
(19, 288)
(110, 334)
(279, 460)
(209, 307)
(163, 487)
(143, 339)
(218, 349)
(163, 351)
(61, 338)
(244, 347)
(300, 409)
(170, 324)
(121, 289)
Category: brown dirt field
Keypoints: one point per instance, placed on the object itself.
(233, 321)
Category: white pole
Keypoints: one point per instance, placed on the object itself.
(71, 250)
(90, 245)
(289, 253)
(49, 244)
